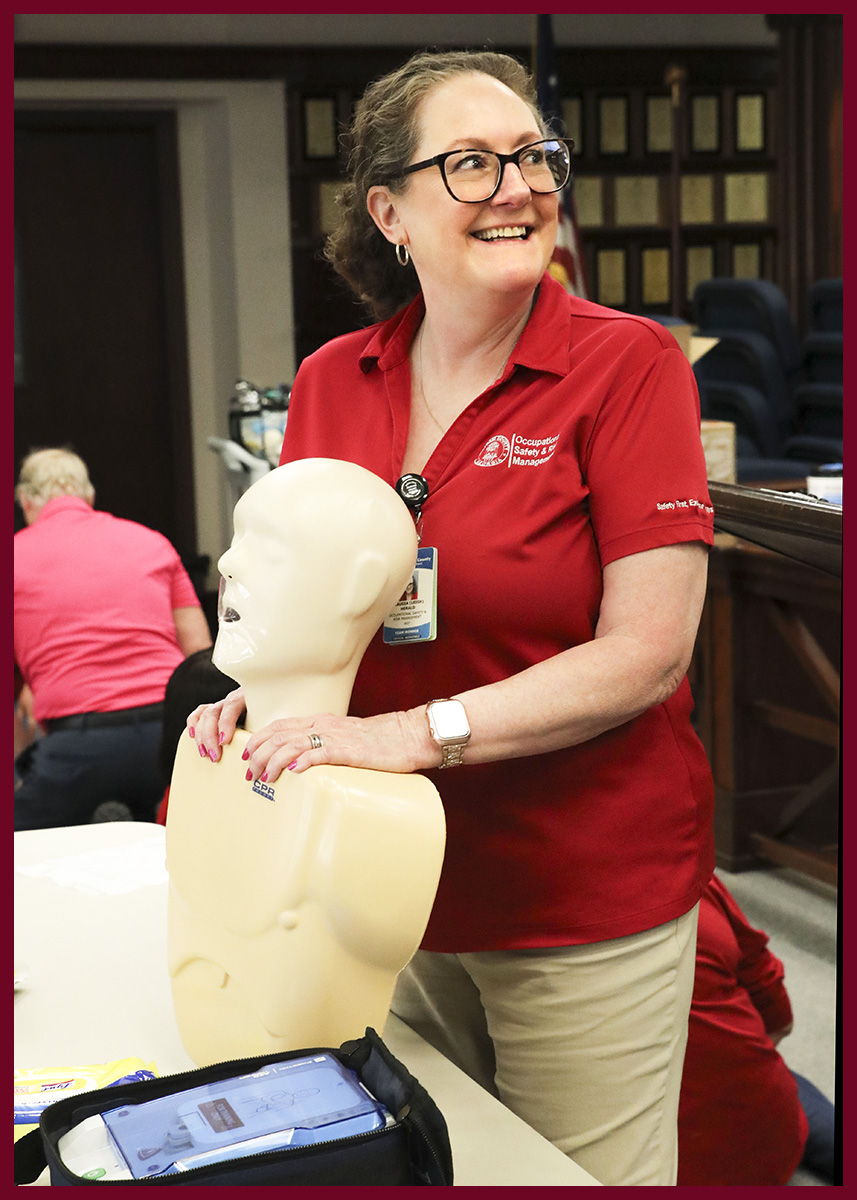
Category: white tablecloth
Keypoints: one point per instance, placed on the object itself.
(90, 942)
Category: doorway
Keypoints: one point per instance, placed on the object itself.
(101, 345)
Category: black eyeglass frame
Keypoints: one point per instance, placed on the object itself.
(439, 161)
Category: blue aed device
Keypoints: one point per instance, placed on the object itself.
(286, 1104)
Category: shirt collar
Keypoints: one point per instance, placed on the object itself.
(391, 341)
(61, 504)
(543, 345)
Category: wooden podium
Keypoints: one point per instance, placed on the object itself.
(766, 679)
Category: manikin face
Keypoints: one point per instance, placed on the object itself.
(447, 239)
(316, 545)
(258, 572)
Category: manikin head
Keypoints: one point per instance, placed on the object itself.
(321, 552)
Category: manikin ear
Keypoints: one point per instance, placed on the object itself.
(383, 210)
(363, 583)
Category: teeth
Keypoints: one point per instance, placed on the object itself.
(510, 231)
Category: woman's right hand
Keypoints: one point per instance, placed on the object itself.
(212, 725)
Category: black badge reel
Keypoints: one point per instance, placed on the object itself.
(414, 491)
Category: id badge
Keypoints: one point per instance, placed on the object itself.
(414, 618)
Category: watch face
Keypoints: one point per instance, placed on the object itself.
(450, 719)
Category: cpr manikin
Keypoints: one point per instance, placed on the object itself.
(294, 905)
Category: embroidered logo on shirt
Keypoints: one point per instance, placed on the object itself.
(517, 451)
(670, 505)
(495, 452)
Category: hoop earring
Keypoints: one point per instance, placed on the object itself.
(403, 254)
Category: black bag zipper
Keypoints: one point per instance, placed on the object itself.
(287, 1152)
(413, 1121)
(283, 1152)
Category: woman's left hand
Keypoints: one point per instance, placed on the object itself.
(395, 741)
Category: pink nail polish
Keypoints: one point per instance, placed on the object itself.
(292, 766)
(264, 777)
(246, 755)
(249, 775)
(202, 751)
(212, 756)
(221, 739)
(192, 732)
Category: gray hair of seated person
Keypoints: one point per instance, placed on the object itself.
(380, 142)
(46, 474)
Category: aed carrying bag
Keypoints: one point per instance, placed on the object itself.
(347, 1116)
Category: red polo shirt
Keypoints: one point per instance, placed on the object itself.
(587, 449)
(94, 600)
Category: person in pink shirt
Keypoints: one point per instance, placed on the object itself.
(104, 612)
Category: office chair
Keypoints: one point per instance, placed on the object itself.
(823, 357)
(818, 409)
(749, 306)
(824, 306)
(759, 453)
(750, 365)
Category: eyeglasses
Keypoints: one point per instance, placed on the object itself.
(473, 176)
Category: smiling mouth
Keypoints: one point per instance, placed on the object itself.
(506, 233)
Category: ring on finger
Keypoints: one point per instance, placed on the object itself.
(315, 741)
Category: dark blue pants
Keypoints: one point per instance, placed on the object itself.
(819, 1153)
(63, 777)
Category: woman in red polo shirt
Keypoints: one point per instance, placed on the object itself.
(565, 530)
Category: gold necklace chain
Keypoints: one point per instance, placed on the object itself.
(496, 377)
(422, 389)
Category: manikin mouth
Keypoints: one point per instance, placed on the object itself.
(225, 612)
(506, 233)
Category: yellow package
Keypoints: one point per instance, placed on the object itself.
(37, 1087)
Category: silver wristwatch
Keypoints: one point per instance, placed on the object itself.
(449, 728)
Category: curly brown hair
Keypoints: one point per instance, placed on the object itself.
(379, 144)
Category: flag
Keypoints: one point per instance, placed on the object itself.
(567, 262)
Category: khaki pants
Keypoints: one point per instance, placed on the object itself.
(585, 1043)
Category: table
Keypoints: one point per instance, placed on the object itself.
(789, 522)
(99, 991)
